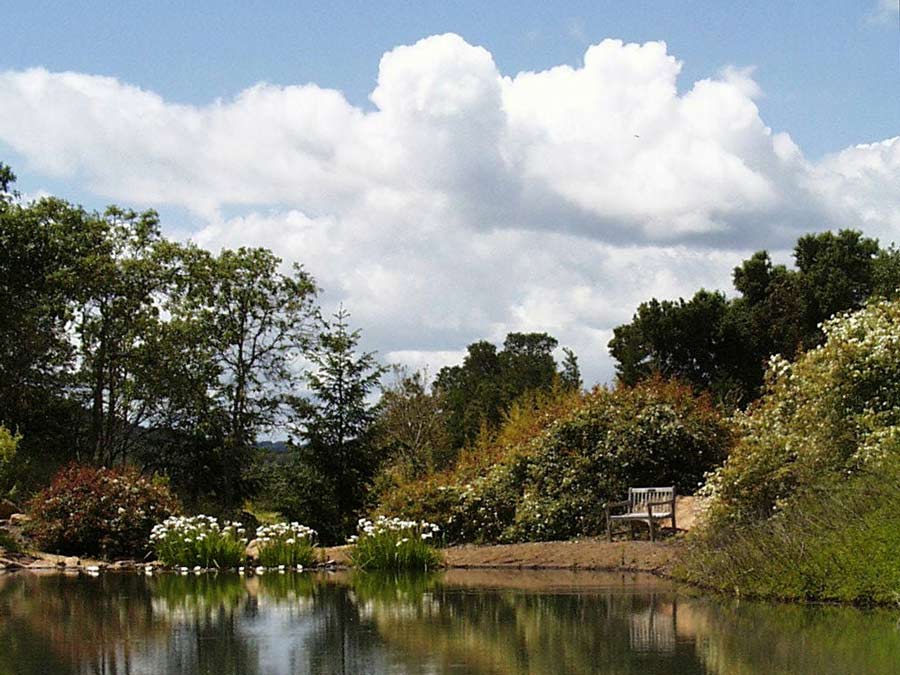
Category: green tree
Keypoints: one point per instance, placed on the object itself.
(569, 372)
(477, 393)
(334, 427)
(410, 429)
(722, 344)
(258, 323)
(116, 312)
(702, 341)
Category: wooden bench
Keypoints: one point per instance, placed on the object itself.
(644, 505)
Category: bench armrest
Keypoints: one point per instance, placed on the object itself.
(664, 502)
(613, 505)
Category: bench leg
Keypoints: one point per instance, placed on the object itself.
(631, 527)
(608, 528)
(652, 534)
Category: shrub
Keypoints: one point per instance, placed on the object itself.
(391, 543)
(102, 512)
(198, 541)
(9, 445)
(288, 544)
(832, 413)
(552, 483)
(807, 504)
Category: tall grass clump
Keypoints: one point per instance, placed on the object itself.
(837, 542)
(392, 543)
(288, 544)
(198, 541)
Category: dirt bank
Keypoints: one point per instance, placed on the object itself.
(589, 554)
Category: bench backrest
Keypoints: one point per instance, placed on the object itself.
(640, 496)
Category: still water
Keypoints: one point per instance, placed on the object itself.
(455, 622)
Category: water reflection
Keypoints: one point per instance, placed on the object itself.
(469, 622)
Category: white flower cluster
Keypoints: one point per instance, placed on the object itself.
(383, 525)
(289, 533)
(191, 528)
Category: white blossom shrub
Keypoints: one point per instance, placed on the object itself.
(832, 413)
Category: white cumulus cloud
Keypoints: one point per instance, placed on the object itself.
(468, 202)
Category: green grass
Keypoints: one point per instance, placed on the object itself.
(837, 543)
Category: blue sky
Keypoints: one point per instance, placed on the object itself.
(829, 68)
(433, 186)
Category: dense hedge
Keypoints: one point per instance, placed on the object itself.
(100, 512)
(553, 484)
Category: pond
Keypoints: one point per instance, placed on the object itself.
(484, 621)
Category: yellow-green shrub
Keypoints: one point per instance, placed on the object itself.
(551, 477)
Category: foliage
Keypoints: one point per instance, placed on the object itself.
(8, 543)
(119, 346)
(392, 543)
(553, 466)
(298, 490)
(476, 394)
(833, 412)
(836, 541)
(105, 512)
(9, 445)
(334, 428)
(722, 344)
(288, 544)
(409, 428)
(198, 541)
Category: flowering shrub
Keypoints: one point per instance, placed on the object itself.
(832, 413)
(553, 484)
(102, 512)
(391, 543)
(288, 544)
(198, 541)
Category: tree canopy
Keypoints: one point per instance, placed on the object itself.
(722, 344)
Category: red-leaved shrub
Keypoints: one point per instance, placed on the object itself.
(101, 512)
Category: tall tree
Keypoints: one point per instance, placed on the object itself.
(722, 345)
(117, 310)
(334, 427)
(258, 323)
(410, 428)
(477, 393)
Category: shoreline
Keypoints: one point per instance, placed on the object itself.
(582, 554)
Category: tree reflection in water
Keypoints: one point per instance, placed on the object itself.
(472, 622)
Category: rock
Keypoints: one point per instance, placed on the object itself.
(71, 561)
(7, 508)
(18, 519)
(123, 565)
(42, 565)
